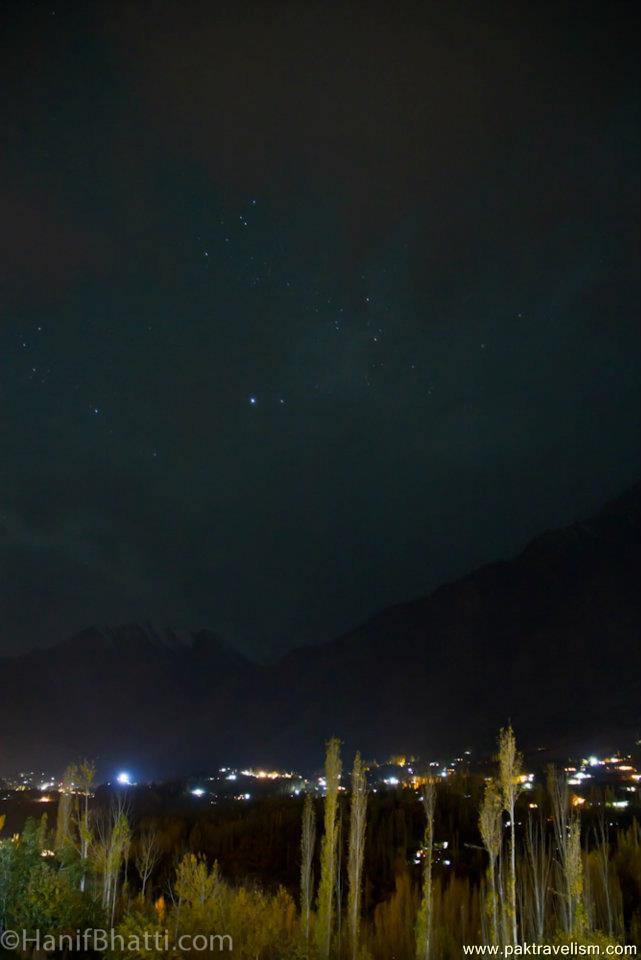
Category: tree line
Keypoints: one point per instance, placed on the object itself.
(538, 872)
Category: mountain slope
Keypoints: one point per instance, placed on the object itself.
(549, 639)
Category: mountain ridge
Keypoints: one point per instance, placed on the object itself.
(416, 676)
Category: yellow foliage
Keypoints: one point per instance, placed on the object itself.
(160, 907)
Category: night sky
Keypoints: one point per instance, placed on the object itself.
(306, 307)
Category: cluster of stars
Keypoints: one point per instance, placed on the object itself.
(362, 325)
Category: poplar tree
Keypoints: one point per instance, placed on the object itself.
(357, 820)
(510, 766)
(110, 848)
(574, 868)
(425, 914)
(85, 775)
(490, 826)
(323, 929)
(307, 845)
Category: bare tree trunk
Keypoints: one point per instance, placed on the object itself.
(559, 798)
(146, 857)
(538, 863)
(603, 855)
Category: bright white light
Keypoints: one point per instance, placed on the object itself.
(198, 792)
(231, 776)
(593, 761)
(124, 778)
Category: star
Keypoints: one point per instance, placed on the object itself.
(252, 400)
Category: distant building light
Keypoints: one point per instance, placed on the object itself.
(198, 792)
